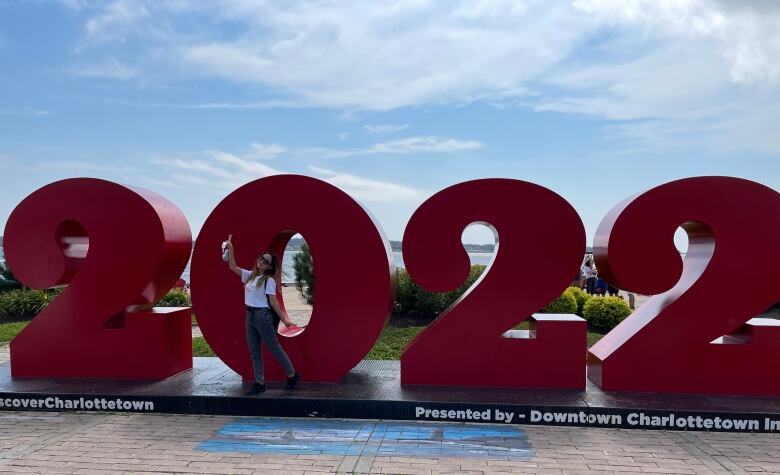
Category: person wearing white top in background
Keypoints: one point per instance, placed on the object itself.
(588, 270)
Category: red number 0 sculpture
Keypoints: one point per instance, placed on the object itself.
(119, 249)
(354, 293)
(542, 244)
(697, 334)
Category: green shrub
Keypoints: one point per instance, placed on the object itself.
(411, 298)
(605, 312)
(175, 298)
(304, 273)
(580, 296)
(565, 303)
(405, 297)
(24, 303)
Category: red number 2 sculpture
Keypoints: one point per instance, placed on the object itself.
(119, 249)
(696, 335)
(542, 241)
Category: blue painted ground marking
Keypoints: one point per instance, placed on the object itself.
(333, 437)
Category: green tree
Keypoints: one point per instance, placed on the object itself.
(7, 279)
(304, 273)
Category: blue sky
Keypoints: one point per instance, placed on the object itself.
(390, 101)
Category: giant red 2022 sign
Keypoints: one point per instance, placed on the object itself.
(119, 249)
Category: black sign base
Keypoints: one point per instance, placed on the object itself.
(372, 390)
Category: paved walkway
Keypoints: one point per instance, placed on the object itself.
(296, 306)
(135, 443)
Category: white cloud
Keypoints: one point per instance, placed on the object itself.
(348, 116)
(685, 87)
(365, 189)
(371, 55)
(115, 19)
(410, 145)
(372, 63)
(426, 144)
(76, 5)
(219, 171)
(111, 69)
(223, 171)
(194, 166)
(190, 179)
(260, 151)
(684, 62)
(227, 170)
(385, 128)
(358, 55)
(156, 182)
(254, 168)
(648, 87)
(747, 33)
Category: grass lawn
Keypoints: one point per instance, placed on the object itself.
(9, 330)
(201, 348)
(593, 337)
(392, 342)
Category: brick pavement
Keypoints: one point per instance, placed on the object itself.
(82, 443)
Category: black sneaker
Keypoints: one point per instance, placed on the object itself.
(293, 380)
(257, 388)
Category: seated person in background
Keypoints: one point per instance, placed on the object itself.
(600, 288)
(612, 290)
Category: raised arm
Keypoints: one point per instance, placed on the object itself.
(231, 258)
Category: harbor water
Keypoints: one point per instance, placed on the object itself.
(288, 274)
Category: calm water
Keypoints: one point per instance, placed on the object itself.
(288, 275)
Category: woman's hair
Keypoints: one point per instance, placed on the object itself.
(588, 261)
(274, 270)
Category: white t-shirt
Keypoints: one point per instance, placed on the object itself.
(255, 296)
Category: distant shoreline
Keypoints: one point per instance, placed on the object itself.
(396, 246)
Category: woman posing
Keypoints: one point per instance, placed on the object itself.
(260, 294)
(588, 270)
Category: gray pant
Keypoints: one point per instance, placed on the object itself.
(259, 328)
